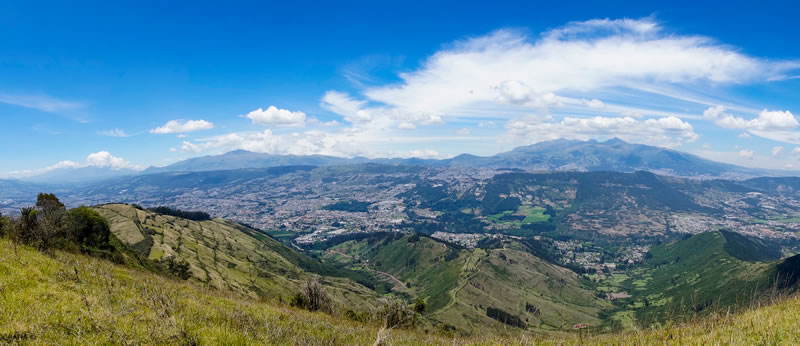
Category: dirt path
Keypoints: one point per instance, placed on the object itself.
(454, 292)
(397, 283)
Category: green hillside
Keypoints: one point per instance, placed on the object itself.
(228, 256)
(710, 271)
(67, 298)
(478, 289)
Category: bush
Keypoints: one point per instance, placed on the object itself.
(313, 297)
(395, 313)
(419, 306)
(177, 267)
(88, 228)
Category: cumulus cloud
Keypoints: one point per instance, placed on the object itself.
(278, 117)
(594, 104)
(666, 131)
(463, 131)
(347, 142)
(512, 68)
(518, 93)
(175, 126)
(796, 151)
(102, 159)
(747, 154)
(114, 133)
(744, 135)
(766, 121)
(777, 150)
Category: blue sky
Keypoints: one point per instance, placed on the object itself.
(133, 85)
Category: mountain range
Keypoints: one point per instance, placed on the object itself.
(555, 155)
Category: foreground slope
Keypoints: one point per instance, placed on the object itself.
(478, 290)
(74, 299)
(229, 256)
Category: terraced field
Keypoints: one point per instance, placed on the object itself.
(226, 255)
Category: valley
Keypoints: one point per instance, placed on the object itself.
(474, 249)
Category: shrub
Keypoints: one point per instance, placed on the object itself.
(313, 297)
(4, 225)
(419, 306)
(89, 228)
(395, 313)
(177, 267)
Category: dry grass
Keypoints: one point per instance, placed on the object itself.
(74, 299)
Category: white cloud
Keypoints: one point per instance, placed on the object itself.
(777, 150)
(278, 117)
(405, 125)
(596, 104)
(766, 121)
(744, 135)
(745, 157)
(105, 159)
(41, 102)
(347, 142)
(358, 113)
(101, 159)
(422, 154)
(317, 122)
(518, 93)
(346, 106)
(796, 151)
(175, 126)
(486, 124)
(463, 131)
(509, 67)
(114, 133)
(666, 131)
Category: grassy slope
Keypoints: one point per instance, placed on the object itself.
(459, 285)
(74, 299)
(690, 274)
(228, 256)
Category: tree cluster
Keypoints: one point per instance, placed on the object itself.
(50, 225)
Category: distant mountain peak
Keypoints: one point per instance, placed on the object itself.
(614, 140)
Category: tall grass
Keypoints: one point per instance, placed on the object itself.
(66, 298)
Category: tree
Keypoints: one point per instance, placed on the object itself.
(88, 227)
(48, 201)
(50, 227)
(3, 225)
(26, 225)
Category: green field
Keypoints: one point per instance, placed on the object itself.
(522, 216)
